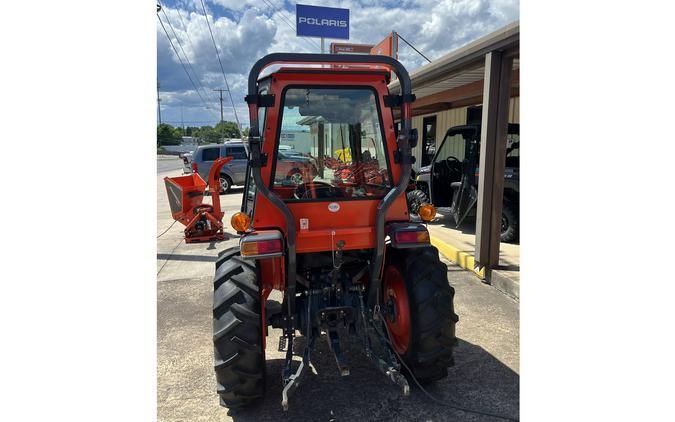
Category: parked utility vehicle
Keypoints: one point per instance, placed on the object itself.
(452, 178)
(341, 249)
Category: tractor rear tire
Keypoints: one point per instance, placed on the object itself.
(239, 357)
(431, 336)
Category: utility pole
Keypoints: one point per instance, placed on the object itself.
(222, 135)
(159, 110)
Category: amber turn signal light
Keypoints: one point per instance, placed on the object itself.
(240, 221)
(427, 212)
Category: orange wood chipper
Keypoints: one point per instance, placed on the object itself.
(203, 222)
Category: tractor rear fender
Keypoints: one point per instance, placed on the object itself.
(266, 247)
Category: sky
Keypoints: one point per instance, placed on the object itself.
(245, 30)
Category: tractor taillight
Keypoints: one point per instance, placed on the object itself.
(408, 235)
(262, 244)
(263, 247)
(194, 167)
(412, 237)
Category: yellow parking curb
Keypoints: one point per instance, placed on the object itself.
(461, 258)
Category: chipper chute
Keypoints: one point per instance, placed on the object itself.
(203, 222)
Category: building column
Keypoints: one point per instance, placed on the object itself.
(494, 128)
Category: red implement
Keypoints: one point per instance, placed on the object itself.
(203, 222)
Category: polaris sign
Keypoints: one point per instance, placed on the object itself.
(322, 22)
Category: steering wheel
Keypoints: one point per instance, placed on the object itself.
(452, 163)
(317, 189)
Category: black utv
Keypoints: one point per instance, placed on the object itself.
(453, 182)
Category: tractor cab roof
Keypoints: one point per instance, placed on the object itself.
(333, 69)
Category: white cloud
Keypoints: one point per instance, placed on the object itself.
(245, 30)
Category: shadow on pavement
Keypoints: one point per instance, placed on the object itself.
(468, 226)
(478, 381)
(192, 258)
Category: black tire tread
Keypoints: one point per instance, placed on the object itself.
(432, 312)
(511, 213)
(239, 359)
(229, 183)
(416, 198)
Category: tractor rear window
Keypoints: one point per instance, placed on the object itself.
(331, 146)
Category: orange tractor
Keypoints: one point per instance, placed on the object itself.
(341, 249)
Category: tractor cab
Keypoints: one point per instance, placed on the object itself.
(324, 219)
(328, 155)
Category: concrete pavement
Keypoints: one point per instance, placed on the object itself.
(459, 245)
(169, 164)
(485, 375)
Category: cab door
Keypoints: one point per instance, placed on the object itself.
(439, 180)
(447, 166)
(465, 192)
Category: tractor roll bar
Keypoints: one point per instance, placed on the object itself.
(274, 58)
(257, 159)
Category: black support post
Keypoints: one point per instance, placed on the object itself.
(494, 128)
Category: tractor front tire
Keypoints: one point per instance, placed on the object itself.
(239, 357)
(418, 296)
(416, 198)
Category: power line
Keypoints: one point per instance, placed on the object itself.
(289, 23)
(159, 109)
(185, 28)
(413, 47)
(181, 49)
(182, 64)
(222, 69)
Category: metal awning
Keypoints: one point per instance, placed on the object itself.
(463, 66)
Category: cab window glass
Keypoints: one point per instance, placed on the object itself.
(330, 145)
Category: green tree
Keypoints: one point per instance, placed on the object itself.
(228, 129)
(166, 135)
(208, 135)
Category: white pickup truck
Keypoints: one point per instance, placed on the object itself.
(187, 162)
